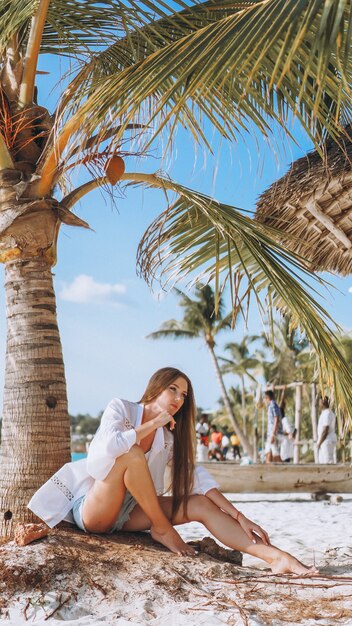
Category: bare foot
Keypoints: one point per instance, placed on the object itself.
(172, 540)
(288, 564)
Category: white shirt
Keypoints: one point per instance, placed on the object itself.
(225, 441)
(286, 445)
(202, 452)
(327, 418)
(202, 429)
(116, 435)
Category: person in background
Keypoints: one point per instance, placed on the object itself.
(326, 433)
(235, 442)
(202, 429)
(215, 451)
(274, 429)
(286, 445)
(202, 451)
(225, 442)
(202, 435)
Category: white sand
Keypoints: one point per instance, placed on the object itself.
(306, 528)
(142, 584)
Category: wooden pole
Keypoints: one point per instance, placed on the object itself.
(314, 421)
(257, 399)
(298, 415)
(255, 437)
(288, 386)
(255, 443)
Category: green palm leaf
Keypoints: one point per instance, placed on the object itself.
(200, 238)
(236, 68)
(84, 26)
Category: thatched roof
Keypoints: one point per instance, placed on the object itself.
(313, 203)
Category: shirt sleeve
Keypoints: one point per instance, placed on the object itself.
(203, 482)
(114, 437)
(276, 411)
(325, 419)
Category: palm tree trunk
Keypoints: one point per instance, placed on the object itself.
(243, 403)
(244, 441)
(35, 431)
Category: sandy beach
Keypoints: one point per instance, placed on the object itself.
(71, 579)
(306, 528)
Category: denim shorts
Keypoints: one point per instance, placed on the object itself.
(127, 507)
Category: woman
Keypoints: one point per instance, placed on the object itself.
(120, 484)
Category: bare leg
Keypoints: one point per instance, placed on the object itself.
(226, 530)
(269, 458)
(103, 502)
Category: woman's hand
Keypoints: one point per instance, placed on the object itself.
(163, 419)
(252, 530)
(151, 425)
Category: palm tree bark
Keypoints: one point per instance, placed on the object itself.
(237, 428)
(35, 431)
(243, 405)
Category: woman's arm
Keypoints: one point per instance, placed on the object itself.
(225, 505)
(148, 427)
(116, 436)
(251, 529)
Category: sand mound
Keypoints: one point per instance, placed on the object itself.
(71, 578)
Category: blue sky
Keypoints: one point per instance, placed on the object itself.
(105, 311)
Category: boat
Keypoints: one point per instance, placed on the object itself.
(280, 477)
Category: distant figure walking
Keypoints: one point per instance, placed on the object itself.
(326, 433)
(286, 446)
(120, 485)
(235, 442)
(274, 429)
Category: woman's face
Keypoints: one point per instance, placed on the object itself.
(173, 397)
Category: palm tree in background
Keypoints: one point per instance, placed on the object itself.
(346, 345)
(241, 364)
(201, 322)
(137, 70)
(291, 355)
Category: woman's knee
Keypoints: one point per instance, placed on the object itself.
(99, 527)
(198, 508)
(136, 452)
(133, 456)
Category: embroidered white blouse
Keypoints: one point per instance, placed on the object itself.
(116, 435)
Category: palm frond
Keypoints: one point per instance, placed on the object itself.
(235, 69)
(147, 38)
(225, 322)
(89, 25)
(199, 238)
(15, 19)
(84, 26)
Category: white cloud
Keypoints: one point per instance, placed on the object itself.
(84, 289)
(350, 290)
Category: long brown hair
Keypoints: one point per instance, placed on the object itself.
(184, 434)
